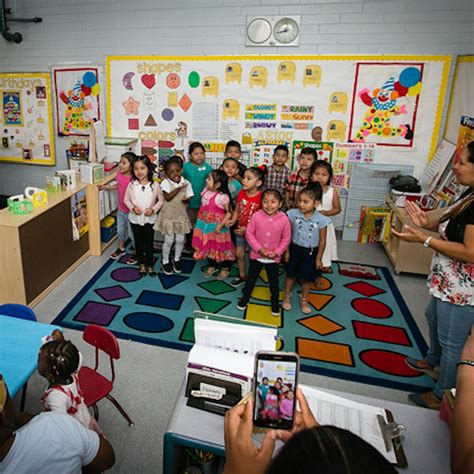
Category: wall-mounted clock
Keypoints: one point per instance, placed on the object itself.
(273, 31)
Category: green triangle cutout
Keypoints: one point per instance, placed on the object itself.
(209, 305)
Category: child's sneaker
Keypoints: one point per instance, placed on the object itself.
(276, 310)
(117, 254)
(242, 304)
(167, 268)
(236, 282)
(177, 267)
(132, 260)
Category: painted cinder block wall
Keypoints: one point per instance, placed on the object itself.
(88, 30)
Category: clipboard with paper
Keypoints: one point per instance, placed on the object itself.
(373, 424)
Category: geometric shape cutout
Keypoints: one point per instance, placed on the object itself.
(321, 325)
(325, 351)
(188, 265)
(187, 333)
(388, 362)
(157, 299)
(364, 288)
(148, 322)
(185, 102)
(354, 270)
(150, 121)
(209, 305)
(126, 275)
(112, 293)
(319, 301)
(97, 313)
(216, 287)
(259, 313)
(371, 308)
(324, 285)
(133, 124)
(381, 333)
(262, 293)
(169, 281)
(167, 115)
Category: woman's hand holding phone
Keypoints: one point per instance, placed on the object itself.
(242, 456)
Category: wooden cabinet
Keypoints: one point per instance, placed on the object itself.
(93, 212)
(406, 256)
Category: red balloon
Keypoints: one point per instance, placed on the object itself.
(402, 91)
(87, 90)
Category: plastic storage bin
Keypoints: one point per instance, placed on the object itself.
(108, 228)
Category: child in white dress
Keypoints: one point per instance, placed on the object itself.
(58, 362)
(321, 172)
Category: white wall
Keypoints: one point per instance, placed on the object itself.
(89, 30)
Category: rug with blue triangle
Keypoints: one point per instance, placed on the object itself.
(360, 328)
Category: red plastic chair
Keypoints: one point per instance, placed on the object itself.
(94, 385)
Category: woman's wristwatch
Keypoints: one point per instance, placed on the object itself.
(426, 243)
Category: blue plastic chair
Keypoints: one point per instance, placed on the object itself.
(21, 312)
(18, 311)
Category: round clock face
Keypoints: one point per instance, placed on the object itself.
(286, 30)
(259, 30)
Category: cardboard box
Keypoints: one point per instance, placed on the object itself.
(116, 147)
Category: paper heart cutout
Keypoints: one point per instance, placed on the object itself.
(148, 80)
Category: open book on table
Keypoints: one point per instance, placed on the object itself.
(358, 418)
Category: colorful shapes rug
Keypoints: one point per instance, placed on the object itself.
(360, 328)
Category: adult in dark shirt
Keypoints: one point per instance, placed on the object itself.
(450, 313)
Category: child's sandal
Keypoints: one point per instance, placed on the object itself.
(304, 306)
(223, 274)
(286, 304)
(209, 272)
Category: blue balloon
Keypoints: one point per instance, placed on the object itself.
(89, 79)
(409, 76)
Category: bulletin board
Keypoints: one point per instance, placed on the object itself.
(26, 119)
(462, 98)
(394, 102)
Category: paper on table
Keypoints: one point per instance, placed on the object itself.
(357, 418)
(237, 338)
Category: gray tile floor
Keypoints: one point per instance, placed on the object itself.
(149, 377)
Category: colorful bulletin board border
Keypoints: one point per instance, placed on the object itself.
(278, 98)
(77, 99)
(26, 120)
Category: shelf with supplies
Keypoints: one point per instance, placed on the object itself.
(100, 205)
(406, 257)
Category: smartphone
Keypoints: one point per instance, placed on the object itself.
(275, 382)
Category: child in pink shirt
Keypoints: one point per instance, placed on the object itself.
(268, 234)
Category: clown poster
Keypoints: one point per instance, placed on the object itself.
(78, 101)
(385, 102)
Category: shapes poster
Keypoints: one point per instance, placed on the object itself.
(78, 100)
(279, 99)
(26, 119)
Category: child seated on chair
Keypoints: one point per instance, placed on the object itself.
(58, 362)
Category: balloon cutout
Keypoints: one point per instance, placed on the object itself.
(402, 91)
(194, 79)
(95, 89)
(414, 90)
(86, 90)
(89, 79)
(409, 76)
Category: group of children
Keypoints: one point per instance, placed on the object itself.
(275, 401)
(225, 212)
